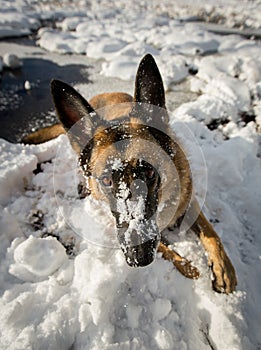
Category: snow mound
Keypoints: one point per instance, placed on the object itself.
(37, 258)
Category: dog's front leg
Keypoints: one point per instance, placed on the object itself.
(225, 280)
(183, 265)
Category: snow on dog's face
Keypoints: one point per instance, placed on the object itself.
(132, 191)
(134, 201)
(119, 174)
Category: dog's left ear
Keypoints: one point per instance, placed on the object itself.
(75, 113)
(148, 85)
(69, 104)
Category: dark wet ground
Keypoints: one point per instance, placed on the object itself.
(22, 110)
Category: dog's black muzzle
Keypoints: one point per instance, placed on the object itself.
(134, 204)
(139, 244)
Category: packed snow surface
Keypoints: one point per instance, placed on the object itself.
(64, 282)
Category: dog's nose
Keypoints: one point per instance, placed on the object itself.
(141, 255)
(139, 245)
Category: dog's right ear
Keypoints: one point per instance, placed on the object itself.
(149, 93)
(148, 85)
(75, 113)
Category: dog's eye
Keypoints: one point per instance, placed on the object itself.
(150, 173)
(106, 181)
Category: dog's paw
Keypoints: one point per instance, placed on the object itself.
(225, 280)
(186, 269)
(182, 265)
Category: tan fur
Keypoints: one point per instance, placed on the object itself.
(109, 98)
(105, 104)
(46, 134)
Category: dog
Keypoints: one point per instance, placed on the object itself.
(132, 160)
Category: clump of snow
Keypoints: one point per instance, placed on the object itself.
(11, 61)
(71, 23)
(37, 258)
(16, 169)
(15, 23)
(27, 85)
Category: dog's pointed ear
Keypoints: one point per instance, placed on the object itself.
(69, 104)
(148, 85)
(75, 113)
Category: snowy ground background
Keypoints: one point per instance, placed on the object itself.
(61, 292)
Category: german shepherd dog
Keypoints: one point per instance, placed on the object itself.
(131, 159)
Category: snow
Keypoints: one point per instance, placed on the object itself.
(37, 258)
(64, 282)
(11, 61)
(27, 85)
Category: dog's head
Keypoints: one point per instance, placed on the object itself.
(118, 159)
